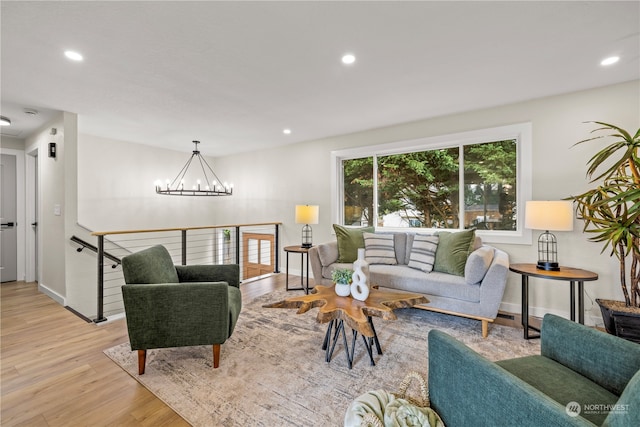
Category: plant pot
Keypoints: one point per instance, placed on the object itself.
(620, 320)
(343, 289)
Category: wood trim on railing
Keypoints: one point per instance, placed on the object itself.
(101, 253)
(160, 230)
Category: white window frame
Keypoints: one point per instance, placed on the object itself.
(521, 132)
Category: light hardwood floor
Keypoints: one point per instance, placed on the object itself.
(53, 371)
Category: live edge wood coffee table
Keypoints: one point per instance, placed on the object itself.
(337, 311)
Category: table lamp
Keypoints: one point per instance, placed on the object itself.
(306, 214)
(548, 215)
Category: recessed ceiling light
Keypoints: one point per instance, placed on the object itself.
(4, 121)
(286, 131)
(74, 56)
(348, 59)
(610, 60)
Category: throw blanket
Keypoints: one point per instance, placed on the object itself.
(380, 408)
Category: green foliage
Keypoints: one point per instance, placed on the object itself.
(611, 210)
(425, 185)
(341, 275)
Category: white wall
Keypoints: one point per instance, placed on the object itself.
(275, 180)
(50, 226)
(116, 190)
(116, 182)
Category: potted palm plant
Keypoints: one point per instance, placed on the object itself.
(611, 213)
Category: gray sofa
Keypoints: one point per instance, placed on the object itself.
(477, 295)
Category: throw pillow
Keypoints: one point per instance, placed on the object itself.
(349, 240)
(453, 251)
(423, 252)
(477, 265)
(379, 248)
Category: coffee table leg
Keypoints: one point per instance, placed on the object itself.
(368, 346)
(327, 336)
(375, 337)
(339, 330)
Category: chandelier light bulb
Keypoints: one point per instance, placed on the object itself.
(206, 185)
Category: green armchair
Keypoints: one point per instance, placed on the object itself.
(583, 377)
(170, 305)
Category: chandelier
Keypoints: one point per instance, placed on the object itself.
(210, 186)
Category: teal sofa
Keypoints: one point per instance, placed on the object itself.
(178, 306)
(583, 377)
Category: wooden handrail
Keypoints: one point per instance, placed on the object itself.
(161, 230)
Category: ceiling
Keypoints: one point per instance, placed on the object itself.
(235, 74)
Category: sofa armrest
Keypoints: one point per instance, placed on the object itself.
(466, 389)
(493, 284)
(605, 359)
(176, 314)
(320, 256)
(316, 265)
(229, 273)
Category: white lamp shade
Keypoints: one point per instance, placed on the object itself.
(550, 215)
(307, 214)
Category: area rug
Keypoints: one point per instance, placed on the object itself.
(273, 371)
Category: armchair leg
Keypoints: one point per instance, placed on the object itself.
(216, 355)
(142, 360)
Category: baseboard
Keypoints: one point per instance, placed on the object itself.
(52, 294)
(589, 319)
(112, 318)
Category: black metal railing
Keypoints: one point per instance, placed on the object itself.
(217, 244)
(83, 244)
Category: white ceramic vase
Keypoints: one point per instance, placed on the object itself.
(342, 289)
(360, 277)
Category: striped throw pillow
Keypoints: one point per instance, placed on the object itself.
(379, 248)
(423, 252)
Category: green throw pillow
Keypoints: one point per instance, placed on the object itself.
(453, 251)
(349, 240)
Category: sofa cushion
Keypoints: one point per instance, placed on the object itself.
(423, 252)
(349, 240)
(562, 385)
(478, 264)
(453, 251)
(404, 278)
(380, 248)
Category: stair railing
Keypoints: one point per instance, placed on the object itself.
(187, 245)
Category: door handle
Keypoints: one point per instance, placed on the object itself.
(7, 224)
(34, 224)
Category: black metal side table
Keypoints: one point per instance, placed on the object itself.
(569, 274)
(304, 252)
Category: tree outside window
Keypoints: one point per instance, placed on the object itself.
(422, 188)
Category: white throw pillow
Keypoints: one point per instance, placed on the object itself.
(379, 248)
(423, 252)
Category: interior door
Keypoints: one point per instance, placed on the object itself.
(258, 254)
(8, 214)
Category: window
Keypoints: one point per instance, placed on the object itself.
(471, 180)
